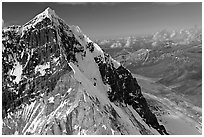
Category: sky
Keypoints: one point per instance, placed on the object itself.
(111, 20)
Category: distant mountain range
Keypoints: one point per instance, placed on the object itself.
(175, 37)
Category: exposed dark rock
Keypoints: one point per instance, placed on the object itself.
(125, 89)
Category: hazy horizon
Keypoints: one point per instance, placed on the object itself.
(111, 20)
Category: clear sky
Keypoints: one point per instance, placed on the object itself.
(109, 20)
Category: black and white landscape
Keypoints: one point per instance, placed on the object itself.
(57, 80)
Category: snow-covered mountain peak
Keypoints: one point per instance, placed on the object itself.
(49, 12)
(47, 16)
(66, 75)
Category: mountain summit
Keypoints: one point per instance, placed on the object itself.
(57, 81)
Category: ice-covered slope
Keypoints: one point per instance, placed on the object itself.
(67, 85)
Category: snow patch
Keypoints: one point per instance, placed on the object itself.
(104, 126)
(69, 90)
(51, 100)
(89, 87)
(17, 72)
(112, 131)
(41, 68)
(55, 59)
(115, 63)
(97, 51)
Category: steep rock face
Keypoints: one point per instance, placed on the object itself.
(57, 81)
(125, 89)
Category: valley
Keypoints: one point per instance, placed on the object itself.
(177, 115)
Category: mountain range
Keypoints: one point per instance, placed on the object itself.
(56, 81)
